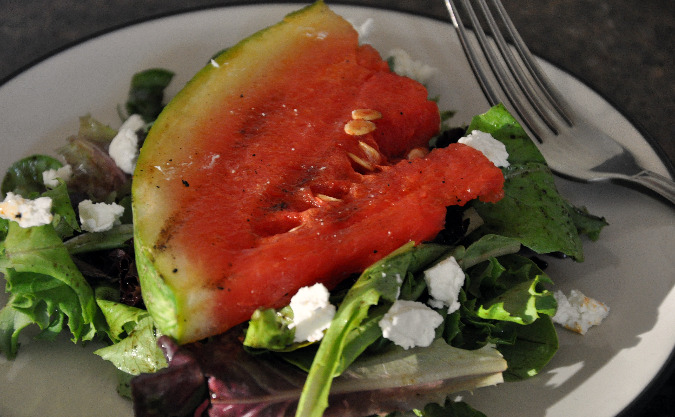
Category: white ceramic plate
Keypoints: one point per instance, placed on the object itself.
(630, 268)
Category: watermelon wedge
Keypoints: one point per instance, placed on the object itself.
(284, 163)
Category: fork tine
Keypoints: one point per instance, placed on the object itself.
(481, 77)
(508, 70)
(530, 94)
(573, 147)
(498, 92)
(545, 86)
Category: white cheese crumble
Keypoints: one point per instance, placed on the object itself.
(406, 66)
(493, 149)
(124, 146)
(410, 324)
(99, 217)
(50, 177)
(578, 312)
(444, 281)
(364, 29)
(312, 313)
(27, 213)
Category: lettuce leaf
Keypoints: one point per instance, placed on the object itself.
(513, 290)
(532, 210)
(270, 329)
(134, 337)
(449, 409)
(381, 280)
(95, 174)
(96, 241)
(65, 220)
(254, 385)
(24, 177)
(533, 347)
(46, 286)
(137, 352)
(146, 93)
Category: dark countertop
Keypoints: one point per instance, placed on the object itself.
(624, 49)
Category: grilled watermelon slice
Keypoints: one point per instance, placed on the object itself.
(259, 178)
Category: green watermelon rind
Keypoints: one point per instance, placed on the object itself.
(158, 297)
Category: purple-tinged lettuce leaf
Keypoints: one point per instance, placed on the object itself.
(95, 174)
(178, 390)
(255, 385)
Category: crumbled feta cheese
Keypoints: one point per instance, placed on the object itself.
(99, 217)
(312, 313)
(410, 324)
(406, 66)
(27, 213)
(364, 29)
(493, 149)
(50, 176)
(578, 312)
(444, 280)
(124, 147)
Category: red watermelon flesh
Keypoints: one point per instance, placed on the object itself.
(249, 189)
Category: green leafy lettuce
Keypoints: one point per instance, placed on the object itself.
(24, 177)
(46, 288)
(532, 210)
(49, 285)
(146, 93)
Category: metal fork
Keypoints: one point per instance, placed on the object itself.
(573, 147)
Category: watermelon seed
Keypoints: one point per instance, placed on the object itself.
(372, 154)
(325, 197)
(417, 153)
(366, 114)
(361, 162)
(359, 127)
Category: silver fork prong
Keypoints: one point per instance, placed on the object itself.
(573, 146)
(538, 99)
(545, 87)
(505, 94)
(481, 77)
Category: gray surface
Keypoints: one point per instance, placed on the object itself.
(623, 49)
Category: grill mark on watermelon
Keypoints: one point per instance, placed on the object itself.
(283, 205)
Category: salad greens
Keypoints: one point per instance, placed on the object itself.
(51, 280)
(245, 384)
(146, 93)
(60, 277)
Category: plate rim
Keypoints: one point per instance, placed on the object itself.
(666, 370)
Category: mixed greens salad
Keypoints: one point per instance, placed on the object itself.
(62, 278)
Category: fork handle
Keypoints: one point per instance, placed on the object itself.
(665, 187)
